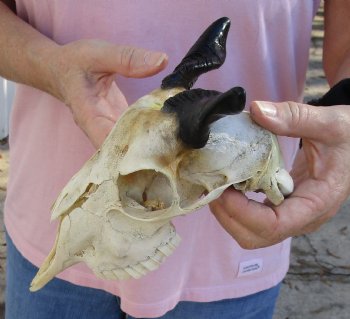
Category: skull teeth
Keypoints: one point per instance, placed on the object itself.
(175, 241)
(109, 274)
(144, 267)
(166, 250)
(133, 272)
(150, 264)
(163, 251)
(140, 269)
(121, 274)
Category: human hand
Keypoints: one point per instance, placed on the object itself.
(82, 75)
(320, 173)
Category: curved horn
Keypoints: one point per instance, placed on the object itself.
(208, 53)
(339, 94)
(197, 109)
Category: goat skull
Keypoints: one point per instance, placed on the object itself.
(115, 213)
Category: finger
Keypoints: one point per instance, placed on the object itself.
(244, 237)
(297, 120)
(255, 217)
(305, 209)
(131, 61)
(268, 225)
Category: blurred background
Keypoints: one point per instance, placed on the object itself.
(7, 91)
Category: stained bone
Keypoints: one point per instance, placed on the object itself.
(115, 213)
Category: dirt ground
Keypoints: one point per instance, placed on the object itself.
(318, 282)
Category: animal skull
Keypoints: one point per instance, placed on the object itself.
(115, 213)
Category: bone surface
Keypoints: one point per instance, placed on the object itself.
(115, 213)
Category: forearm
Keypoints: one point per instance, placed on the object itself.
(336, 50)
(24, 52)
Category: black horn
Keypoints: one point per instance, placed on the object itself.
(208, 53)
(339, 94)
(196, 109)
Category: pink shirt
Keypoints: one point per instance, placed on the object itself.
(267, 55)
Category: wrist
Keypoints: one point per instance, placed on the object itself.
(25, 53)
(40, 55)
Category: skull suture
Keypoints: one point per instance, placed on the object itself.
(170, 153)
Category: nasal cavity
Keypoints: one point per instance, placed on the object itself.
(145, 189)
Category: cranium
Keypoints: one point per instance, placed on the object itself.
(170, 153)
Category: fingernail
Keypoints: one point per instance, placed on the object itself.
(155, 58)
(267, 108)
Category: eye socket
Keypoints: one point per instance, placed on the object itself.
(146, 190)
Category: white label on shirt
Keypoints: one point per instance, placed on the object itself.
(250, 267)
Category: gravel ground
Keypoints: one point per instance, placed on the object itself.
(318, 282)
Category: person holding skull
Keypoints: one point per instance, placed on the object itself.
(49, 51)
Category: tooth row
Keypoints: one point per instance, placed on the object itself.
(168, 248)
(142, 268)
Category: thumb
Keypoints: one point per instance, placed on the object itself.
(131, 61)
(293, 119)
